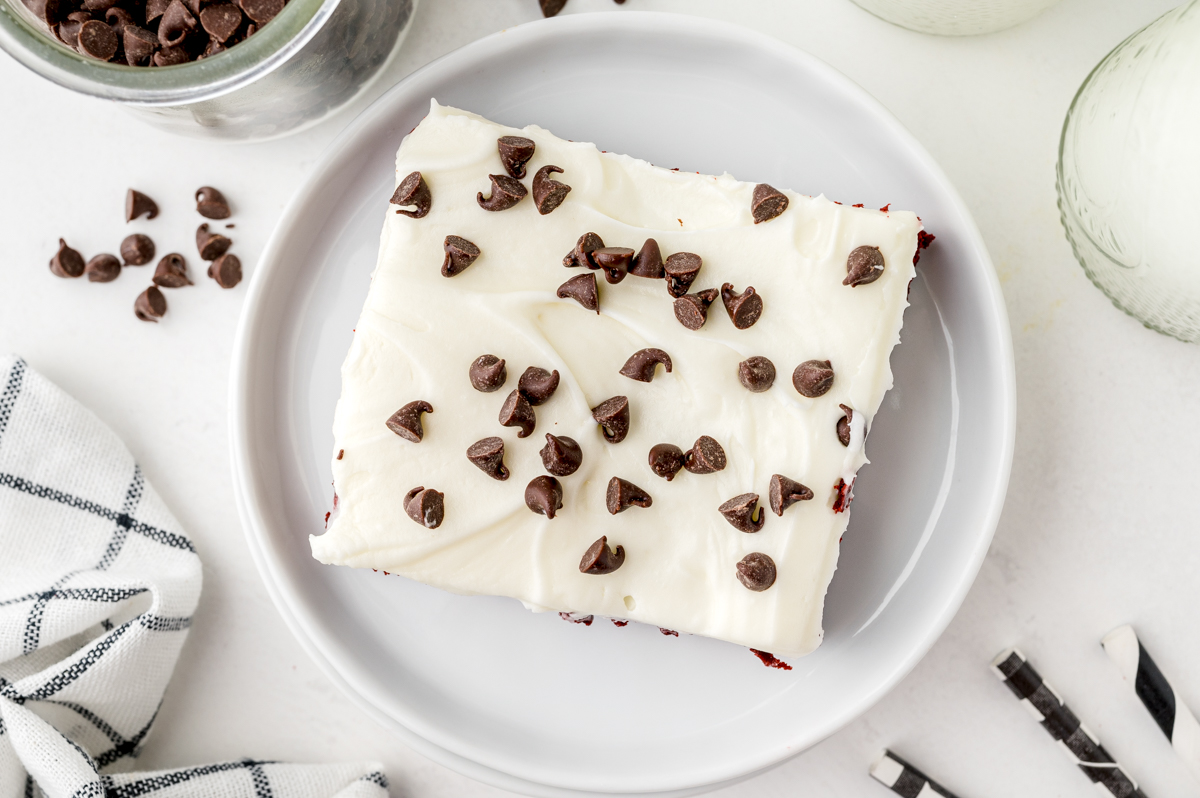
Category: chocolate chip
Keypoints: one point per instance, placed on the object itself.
(103, 268)
(515, 152)
(744, 308)
(561, 456)
(548, 193)
(584, 247)
(756, 571)
(739, 512)
(506, 192)
(117, 18)
(177, 22)
(140, 46)
(681, 270)
(538, 385)
(692, 309)
(767, 203)
(843, 425)
(705, 457)
(171, 272)
(614, 261)
(261, 11)
(666, 459)
(648, 262)
(221, 21)
(784, 492)
(488, 373)
(413, 190)
(66, 262)
(97, 40)
(425, 506)
(150, 305)
(45, 10)
(210, 203)
(212, 48)
(341, 453)
(581, 288)
(756, 373)
(170, 56)
(517, 412)
(813, 378)
(640, 365)
(613, 416)
(211, 245)
(544, 495)
(460, 253)
(623, 494)
(552, 7)
(226, 270)
(864, 265)
(599, 559)
(137, 250)
(488, 456)
(68, 29)
(155, 9)
(406, 422)
(137, 204)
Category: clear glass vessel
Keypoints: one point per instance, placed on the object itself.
(304, 64)
(956, 17)
(1129, 174)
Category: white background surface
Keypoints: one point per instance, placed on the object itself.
(1099, 525)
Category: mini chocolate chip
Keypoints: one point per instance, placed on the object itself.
(648, 262)
(623, 494)
(177, 22)
(538, 385)
(613, 416)
(210, 245)
(406, 422)
(341, 453)
(221, 21)
(488, 373)
(584, 247)
(137, 250)
(551, 7)
(137, 204)
(140, 46)
(68, 29)
(745, 308)
(98, 40)
(561, 456)
(784, 492)
(117, 18)
(548, 193)
(756, 373)
(767, 203)
(425, 506)
(739, 512)
(171, 272)
(517, 412)
(544, 495)
(413, 190)
(614, 261)
(103, 268)
(864, 265)
(506, 192)
(813, 378)
(756, 571)
(150, 305)
(843, 425)
(210, 203)
(666, 459)
(582, 288)
(261, 11)
(681, 270)
(226, 270)
(640, 365)
(212, 48)
(460, 253)
(515, 152)
(170, 56)
(705, 457)
(692, 309)
(66, 262)
(599, 559)
(488, 456)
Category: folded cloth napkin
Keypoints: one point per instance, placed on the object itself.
(98, 584)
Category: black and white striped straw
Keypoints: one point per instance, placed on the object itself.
(1156, 693)
(1049, 710)
(903, 779)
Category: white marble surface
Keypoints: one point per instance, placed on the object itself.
(1099, 525)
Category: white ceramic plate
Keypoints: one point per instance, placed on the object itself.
(528, 702)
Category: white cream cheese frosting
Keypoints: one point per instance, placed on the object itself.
(419, 332)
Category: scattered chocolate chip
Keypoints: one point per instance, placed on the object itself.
(599, 559)
(757, 572)
(813, 378)
(413, 190)
(137, 250)
(552, 7)
(506, 192)
(261, 11)
(140, 46)
(137, 204)
(488, 373)
(864, 265)
(171, 272)
(584, 247)
(226, 270)
(613, 416)
(210, 245)
(406, 422)
(681, 270)
(515, 152)
(623, 494)
(739, 512)
(537, 385)
(221, 20)
(767, 203)
(211, 204)
(460, 253)
(705, 457)
(341, 453)
(666, 459)
(548, 193)
(744, 308)
(488, 456)
(425, 506)
(561, 456)
(517, 412)
(177, 22)
(843, 425)
(648, 262)
(640, 365)
(170, 56)
(614, 261)
(66, 262)
(150, 305)
(784, 492)
(97, 40)
(544, 495)
(103, 269)
(692, 309)
(582, 288)
(756, 373)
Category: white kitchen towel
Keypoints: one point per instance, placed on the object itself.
(98, 584)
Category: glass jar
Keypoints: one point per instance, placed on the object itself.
(311, 59)
(1129, 174)
(956, 17)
